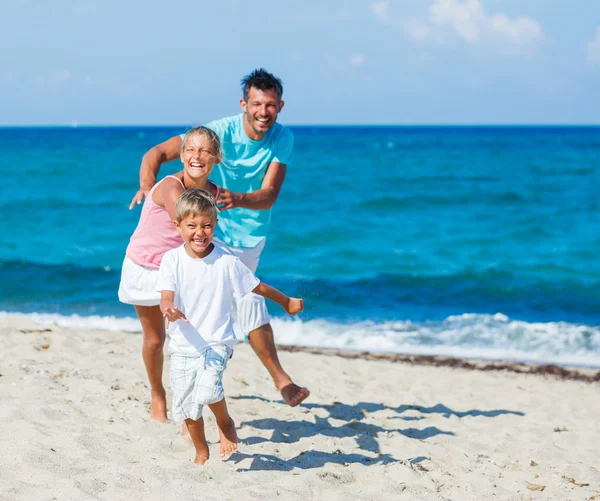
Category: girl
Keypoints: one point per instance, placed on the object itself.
(156, 234)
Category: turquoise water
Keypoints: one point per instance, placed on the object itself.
(475, 241)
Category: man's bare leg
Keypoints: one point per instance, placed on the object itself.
(227, 433)
(263, 344)
(196, 431)
(153, 326)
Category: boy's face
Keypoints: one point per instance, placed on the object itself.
(197, 232)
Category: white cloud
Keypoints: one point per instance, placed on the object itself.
(519, 31)
(468, 21)
(465, 18)
(380, 9)
(593, 49)
(357, 60)
(418, 30)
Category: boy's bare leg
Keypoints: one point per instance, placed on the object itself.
(263, 343)
(227, 433)
(153, 326)
(196, 431)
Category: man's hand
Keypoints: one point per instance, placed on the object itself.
(139, 197)
(294, 306)
(228, 199)
(172, 314)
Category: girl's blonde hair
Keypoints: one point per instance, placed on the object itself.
(213, 139)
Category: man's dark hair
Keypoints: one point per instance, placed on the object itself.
(261, 79)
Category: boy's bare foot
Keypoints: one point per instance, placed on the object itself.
(228, 435)
(158, 406)
(293, 394)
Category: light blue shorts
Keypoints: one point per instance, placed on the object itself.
(197, 380)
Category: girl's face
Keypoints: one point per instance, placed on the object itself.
(198, 156)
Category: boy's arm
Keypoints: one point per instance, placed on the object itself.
(151, 162)
(168, 308)
(292, 305)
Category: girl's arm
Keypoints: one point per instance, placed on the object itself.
(292, 305)
(151, 162)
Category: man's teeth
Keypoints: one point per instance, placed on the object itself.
(263, 120)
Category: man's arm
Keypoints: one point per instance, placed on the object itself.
(262, 199)
(151, 162)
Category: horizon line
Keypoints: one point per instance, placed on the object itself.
(76, 125)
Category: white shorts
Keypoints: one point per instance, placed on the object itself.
(138, 284)
(197, 380)
(251, 312)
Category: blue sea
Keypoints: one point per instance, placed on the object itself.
(463, 241)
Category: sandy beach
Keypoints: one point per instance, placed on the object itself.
(74, 414)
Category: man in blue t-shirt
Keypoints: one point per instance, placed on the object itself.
(256, 150)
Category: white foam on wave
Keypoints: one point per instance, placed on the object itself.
(492, 337)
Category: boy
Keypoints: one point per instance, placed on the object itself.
(198, 284)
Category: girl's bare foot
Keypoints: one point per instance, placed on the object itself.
(158, 406)
(228, 435)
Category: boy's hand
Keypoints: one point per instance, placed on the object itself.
(295, 305)
(172, 314)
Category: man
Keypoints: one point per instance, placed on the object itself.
(256, 150)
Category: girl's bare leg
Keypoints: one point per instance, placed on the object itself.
(229, 440)
(153, 326)
(196, 431)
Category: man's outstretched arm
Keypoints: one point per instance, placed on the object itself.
(151, 162)
(261, 199)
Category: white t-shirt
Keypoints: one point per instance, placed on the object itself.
(205, 290)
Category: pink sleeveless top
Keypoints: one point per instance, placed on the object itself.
(155, 233)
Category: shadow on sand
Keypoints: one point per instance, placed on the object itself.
(353, 426)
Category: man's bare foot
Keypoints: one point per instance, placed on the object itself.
(228, 435)
(293, 394)
(158, 406)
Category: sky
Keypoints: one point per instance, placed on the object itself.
(406, 62)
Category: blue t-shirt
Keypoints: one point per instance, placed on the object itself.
(242, 170)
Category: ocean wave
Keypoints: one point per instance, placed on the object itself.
(469, 335)
(92, 290)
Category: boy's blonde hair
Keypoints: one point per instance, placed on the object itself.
(213, 139)
(195, 202)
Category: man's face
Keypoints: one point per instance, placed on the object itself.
(260, 111)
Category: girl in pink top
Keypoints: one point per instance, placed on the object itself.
(156, 234)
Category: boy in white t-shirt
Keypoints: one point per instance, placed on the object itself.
(198, 284)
